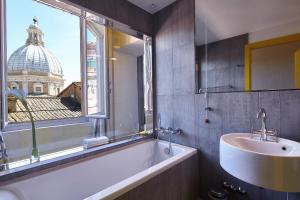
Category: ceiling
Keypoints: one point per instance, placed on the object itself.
(230, 18)
(152, 6)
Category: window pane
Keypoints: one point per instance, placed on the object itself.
(96, 73)
(130, 111)
(43, 46)
(126, 78)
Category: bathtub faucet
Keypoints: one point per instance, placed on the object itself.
(166, 131)
(169, 132)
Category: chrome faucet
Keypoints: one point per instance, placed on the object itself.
(263, 133)
(169, 132)
(3, 154)
(263, 115)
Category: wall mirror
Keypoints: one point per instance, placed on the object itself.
(247, 46)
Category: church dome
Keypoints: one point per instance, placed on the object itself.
(33, 56)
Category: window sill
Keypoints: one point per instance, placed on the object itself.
(44, 124)
(22, 168)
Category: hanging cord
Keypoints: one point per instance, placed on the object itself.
(207, 108)
(206, 105)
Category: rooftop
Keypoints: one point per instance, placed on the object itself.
(46, 108)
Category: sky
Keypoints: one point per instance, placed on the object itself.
(61, 33)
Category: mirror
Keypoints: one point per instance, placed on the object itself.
(247, 45)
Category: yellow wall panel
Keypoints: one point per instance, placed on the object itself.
(297, 69)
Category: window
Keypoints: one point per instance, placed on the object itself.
(73, 64)
(96, 70)
(38, 88)
(43, 57)
(46, 61)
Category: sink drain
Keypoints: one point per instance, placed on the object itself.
(283, 148)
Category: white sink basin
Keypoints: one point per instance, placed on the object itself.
(269, 165)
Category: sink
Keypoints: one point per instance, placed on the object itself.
(265, 164)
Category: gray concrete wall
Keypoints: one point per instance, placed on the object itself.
(224, 70)
(180, 107)
(236, 112)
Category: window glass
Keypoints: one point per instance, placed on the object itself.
(96, 68)
(43, 49)
(49, 49)
(126, 69)
(70, 66)
(38, 89)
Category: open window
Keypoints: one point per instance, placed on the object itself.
(38, 88)
(96, 67)
(63, 73)
(42, 45)
(73, 64)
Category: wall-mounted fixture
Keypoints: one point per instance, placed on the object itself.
(261, 160)
(207, 109)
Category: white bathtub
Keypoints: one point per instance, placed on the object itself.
(105, 176)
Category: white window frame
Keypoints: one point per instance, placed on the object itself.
(103, 93)
(84, 14)
(5, 125)
(3, 60)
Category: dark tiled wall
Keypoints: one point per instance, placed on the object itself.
(225, 60)
(175, 67)
(236, 112)
(177, 183)
(180, 107)
(122, 11)
(175, 71)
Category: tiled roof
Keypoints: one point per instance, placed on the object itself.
(77, 84)
(45, 108)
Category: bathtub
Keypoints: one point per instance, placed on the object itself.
(104, 176)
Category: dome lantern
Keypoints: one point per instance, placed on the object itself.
(35, 34)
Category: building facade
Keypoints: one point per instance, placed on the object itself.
(33, 68)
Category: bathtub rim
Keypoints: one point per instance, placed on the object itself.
(120, 188)
(36, 169)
